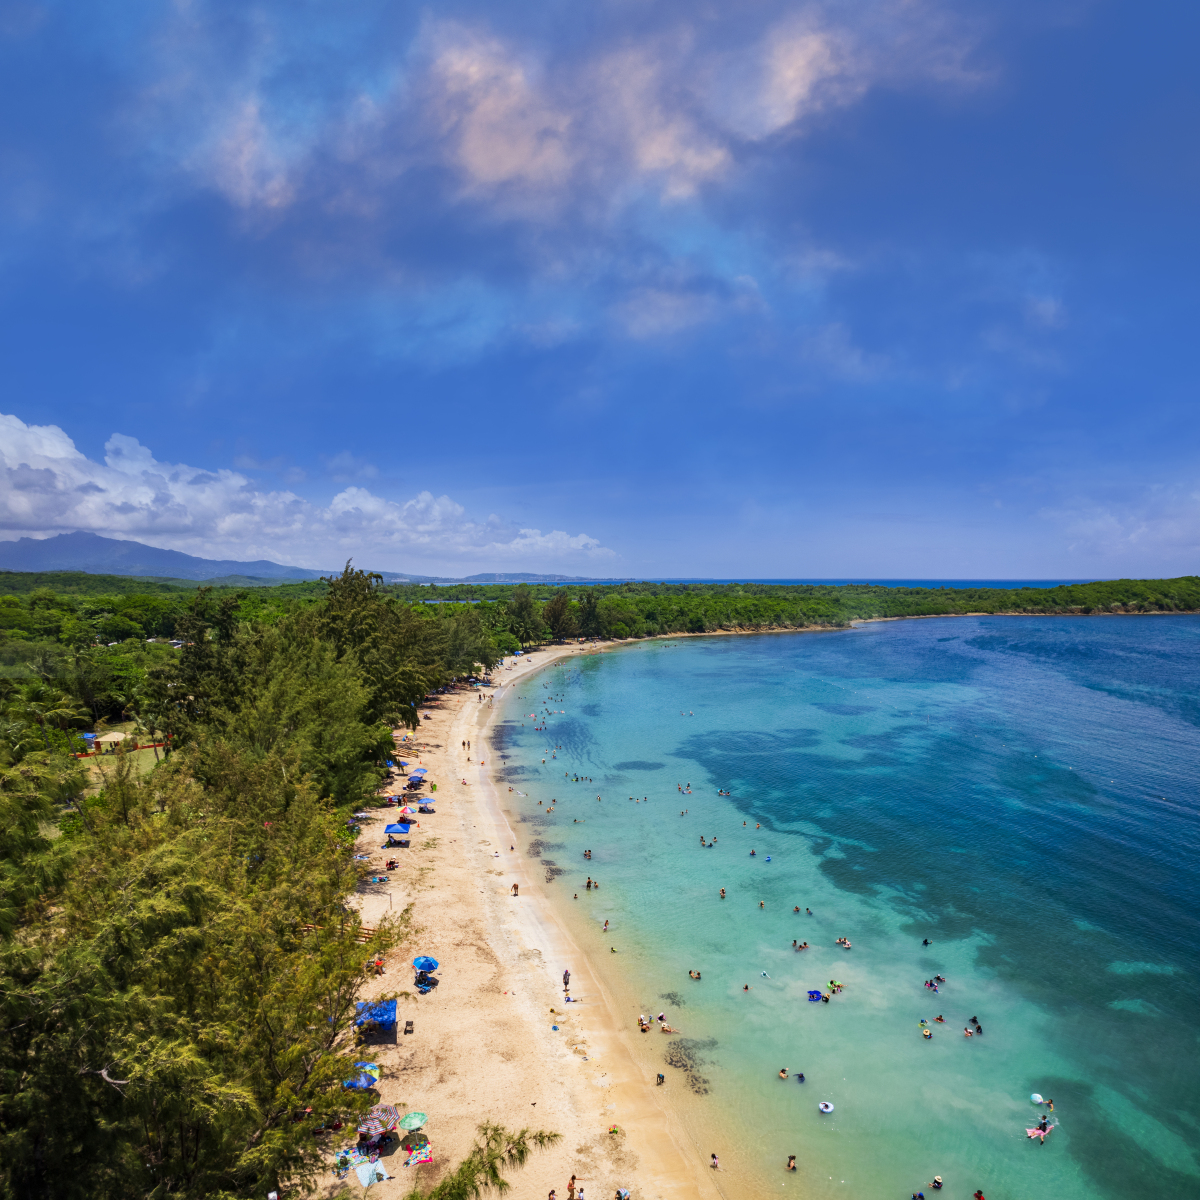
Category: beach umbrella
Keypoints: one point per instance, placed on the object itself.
(413, 1120)
(380, 1119)
(424, 963)
(367, 1077)
(419, 771)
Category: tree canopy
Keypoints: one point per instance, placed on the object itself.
(178, 960)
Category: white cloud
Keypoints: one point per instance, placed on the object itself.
(47, 486)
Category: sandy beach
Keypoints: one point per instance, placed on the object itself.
(484, 1046)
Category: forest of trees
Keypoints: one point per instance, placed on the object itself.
(105, 640)
(178, 962)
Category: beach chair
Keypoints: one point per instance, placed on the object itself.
(408, 1027)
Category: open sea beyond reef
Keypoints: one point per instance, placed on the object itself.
(1021, 791)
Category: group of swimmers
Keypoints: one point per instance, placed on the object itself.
(932, 984)
(968, 1031)
(784, 1074)
(645, 1023)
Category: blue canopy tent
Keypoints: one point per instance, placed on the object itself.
(366, 1077)
(382, 1014)
(403, 830)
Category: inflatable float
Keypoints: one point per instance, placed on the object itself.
(825, 1106)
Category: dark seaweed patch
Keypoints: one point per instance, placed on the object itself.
(685, 1055)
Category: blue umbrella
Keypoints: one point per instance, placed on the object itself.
(420, 771)
(424, 963)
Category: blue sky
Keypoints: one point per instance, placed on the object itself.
(887, 288)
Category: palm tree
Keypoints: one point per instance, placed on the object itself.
(37, 702)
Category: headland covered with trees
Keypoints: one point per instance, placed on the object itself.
(178, 961)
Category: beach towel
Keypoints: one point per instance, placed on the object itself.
(370, 1172)
(345, 1159)
(421, 1154)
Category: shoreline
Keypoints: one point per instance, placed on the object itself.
(483, 1046)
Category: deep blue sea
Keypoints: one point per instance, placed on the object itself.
(1022, 792)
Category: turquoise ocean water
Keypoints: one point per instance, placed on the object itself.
(1023, 792)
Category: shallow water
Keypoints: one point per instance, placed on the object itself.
(1020, 791)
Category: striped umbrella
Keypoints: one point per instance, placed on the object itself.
(379, 1119)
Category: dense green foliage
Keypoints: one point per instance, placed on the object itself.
(178, 964)
(647, 609)
(81, 583)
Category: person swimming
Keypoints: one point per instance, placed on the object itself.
(799, 1076)
(722, 893)
(791, 1162)
(783, 1072)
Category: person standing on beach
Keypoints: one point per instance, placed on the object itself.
(571, 1188)
(515, 886)
(566, 986)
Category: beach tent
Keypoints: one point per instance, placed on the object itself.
(400, 829)
(366, 1077)
(382, 1014)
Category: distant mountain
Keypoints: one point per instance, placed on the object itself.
(96, 555)
(107, 556)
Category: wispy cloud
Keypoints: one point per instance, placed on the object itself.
(1141, 528)
(48, 486)
(547, 128)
